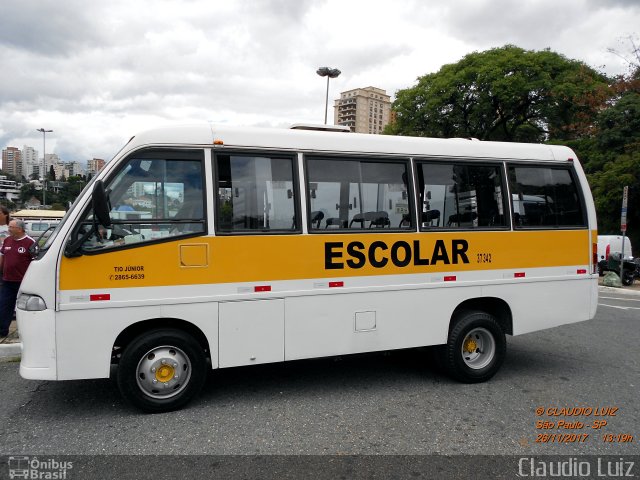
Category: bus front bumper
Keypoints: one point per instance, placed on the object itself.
(38, 333)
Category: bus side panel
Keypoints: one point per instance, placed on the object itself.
(204, 315)
(544, 304)
(325, 325)
(85, 338)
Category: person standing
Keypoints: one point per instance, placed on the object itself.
(5, 218)
(15, 258)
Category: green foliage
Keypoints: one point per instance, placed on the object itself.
(27, 191)
(606, 186)
(510, 94)
(619, 126)
(8, 203)
(505, 94)
(612, 160)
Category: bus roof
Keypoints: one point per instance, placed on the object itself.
(317, 141)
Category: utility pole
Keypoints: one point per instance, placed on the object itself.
(44, 165)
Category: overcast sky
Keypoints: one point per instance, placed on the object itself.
(98, 72)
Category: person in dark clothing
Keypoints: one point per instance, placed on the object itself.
(14, 261)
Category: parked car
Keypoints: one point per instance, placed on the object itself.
(608, 244)
(612, 264)
(37, 227)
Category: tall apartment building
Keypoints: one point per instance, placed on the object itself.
(51, 159)
(94, 166)
(67, 169)
(61, 171)
(364, 110)
(30, 162)
(12, 161)
(75, 168)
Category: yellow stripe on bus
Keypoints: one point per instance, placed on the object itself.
(251, 258)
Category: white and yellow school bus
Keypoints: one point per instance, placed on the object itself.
(200, 247)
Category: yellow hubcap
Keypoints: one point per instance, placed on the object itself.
(165, 373)
(470, 345)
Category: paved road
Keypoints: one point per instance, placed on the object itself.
(392, 403)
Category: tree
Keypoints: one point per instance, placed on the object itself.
(8, 203)
(506, 94)
(27, 191)
(71, 189)
(619, 125)
(52, 174)
(612, 160)
(606, 186)
(631, 57)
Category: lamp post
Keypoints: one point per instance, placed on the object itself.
(44, 165)
(329, 73)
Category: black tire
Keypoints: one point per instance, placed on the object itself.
(475, 349)
(162, 370)
(627, 279)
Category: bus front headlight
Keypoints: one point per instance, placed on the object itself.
(30, 303)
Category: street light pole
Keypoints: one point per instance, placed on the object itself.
(329, 73)
(44, 165)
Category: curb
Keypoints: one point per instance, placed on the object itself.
(620, 290)
(10, 350)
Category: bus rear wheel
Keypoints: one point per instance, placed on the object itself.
(162, 370)
(475, 349)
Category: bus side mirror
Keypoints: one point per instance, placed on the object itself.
(101, 204)
(34, 250)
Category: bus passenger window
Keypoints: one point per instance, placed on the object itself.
(461, 196)
(356, 194)
(255, 193)
(545, 197)
(156, 195)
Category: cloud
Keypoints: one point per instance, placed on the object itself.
(49, 28)
(98, 72)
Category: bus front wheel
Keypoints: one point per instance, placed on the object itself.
(475, 349)
(161, 370)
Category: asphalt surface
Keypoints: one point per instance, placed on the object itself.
(393, 403)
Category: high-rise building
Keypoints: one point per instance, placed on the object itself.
(364, 110)
(51, 159)
(94, 166)
(12, 161)
(30, 162)
(61, 171)
(74, 168)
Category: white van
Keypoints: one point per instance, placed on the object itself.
(608, 244)
(38, 227)
(200, 247)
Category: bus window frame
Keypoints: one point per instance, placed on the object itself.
(147, 153)
(554, 166)
(363, 157)
(504, 183)
(215, 152)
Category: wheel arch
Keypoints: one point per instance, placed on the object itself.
(494, 306)
(133, 331)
